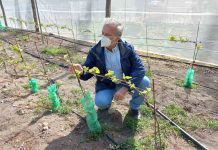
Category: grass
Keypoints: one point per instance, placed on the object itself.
(132, 144)
(146, 111)
(65, 108)
(72, 76)
(149, 73)
(147, 142)
(76, 92)
(95, 136)
(180, 84)
(59, 83)
(175, 111)
(78, 59)
(38, 110)
(26, 86)
(54, 51)
(143, 131)
(44, 102)
(22, 38)
(188, 121)
(213, 124)
(51, 68)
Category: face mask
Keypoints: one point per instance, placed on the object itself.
(105, 41)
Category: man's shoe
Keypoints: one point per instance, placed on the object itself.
(103, 110)
(134, 114)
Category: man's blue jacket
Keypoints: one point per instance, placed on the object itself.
(130, 62)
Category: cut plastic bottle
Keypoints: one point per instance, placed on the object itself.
(189, 78)
(91, 114)
(34, 85)
(52, 89)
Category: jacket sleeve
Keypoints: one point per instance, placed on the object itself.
(137, 68)
(89, 62)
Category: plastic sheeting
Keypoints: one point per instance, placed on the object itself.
(162, 18)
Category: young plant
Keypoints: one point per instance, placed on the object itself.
(52, 88)
(32, 82)
(190, 72)
(149, 72)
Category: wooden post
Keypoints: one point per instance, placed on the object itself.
(40, 26)
(35, 15)
(108, 9)
(3, 12)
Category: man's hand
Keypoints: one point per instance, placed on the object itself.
(77, 67)
(120, 94)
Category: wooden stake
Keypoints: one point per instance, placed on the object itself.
(40, 26)
(108, 9)
(35, 15)
(3, 12)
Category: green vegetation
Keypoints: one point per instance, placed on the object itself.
(54, 51)
(188, 121)
(180, 83)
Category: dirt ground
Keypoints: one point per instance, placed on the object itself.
(26, 126)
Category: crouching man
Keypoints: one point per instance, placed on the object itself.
(112, 53)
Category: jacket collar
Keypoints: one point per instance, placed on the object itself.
(101, 53)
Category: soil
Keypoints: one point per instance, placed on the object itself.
(22, 128)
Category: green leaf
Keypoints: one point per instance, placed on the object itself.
(16, 49)
(110, 73)
(126, 77)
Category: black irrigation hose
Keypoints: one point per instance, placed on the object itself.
(184, 133)
(187, 135)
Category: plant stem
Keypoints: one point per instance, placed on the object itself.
(155, 119)
(147, 47)
(68, 53)
(43, 65)
(24, 61)
(196, 49)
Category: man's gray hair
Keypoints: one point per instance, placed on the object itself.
(115, 23)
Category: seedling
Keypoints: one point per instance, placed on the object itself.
(190, 72)
(87, 101)
(149, 72)
(32, 82)
(52, 88)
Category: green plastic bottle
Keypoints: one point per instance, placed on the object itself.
(52, 89)
(91, 114)
(189, 78)
(34, 85)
